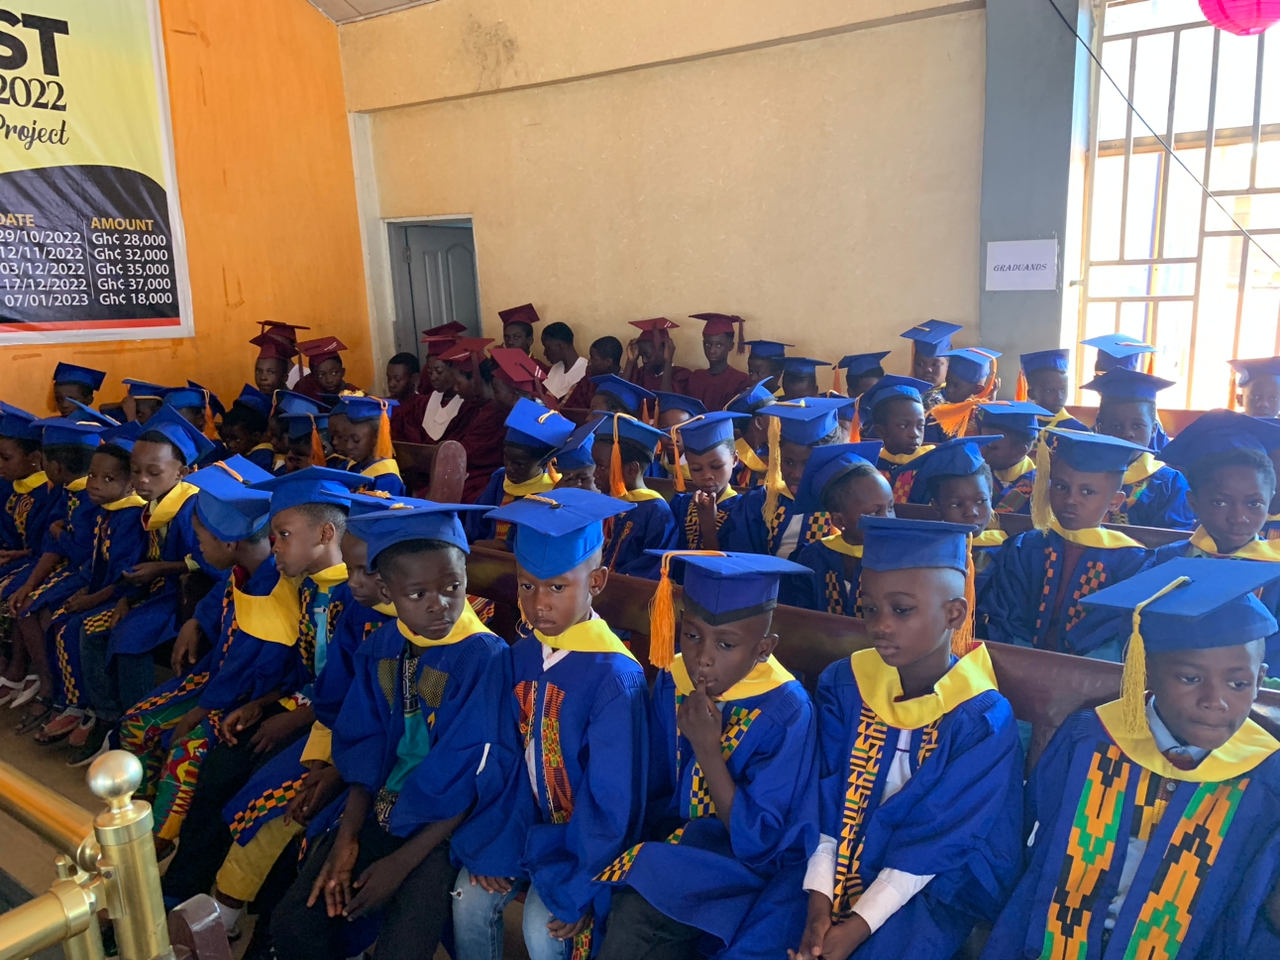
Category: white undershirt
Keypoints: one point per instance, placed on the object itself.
(560, 381)
(891, 889)
(439, 415)
(791, 536)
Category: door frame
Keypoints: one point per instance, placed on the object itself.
(396, 246)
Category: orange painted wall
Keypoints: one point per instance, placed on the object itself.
(268, 197)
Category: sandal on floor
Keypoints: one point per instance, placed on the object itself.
(11, 688)
(31, 719)
(60, 727)
(30, 687)
(84, 729)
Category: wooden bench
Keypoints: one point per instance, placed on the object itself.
(1044, 688)
(434, 471)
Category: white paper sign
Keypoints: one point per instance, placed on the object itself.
(1022, 265)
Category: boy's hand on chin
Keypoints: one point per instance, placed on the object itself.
(699, 720)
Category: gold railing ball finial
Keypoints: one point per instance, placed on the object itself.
(114, 777)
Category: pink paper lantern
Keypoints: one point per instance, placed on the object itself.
(1244, 18)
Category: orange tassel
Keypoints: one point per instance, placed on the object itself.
(954, 417)
(662, 611)
(1020, 392)
(552, 473)
(855, 428)
(318, 459)
(835, 381)
(962, 640)
(384, 449)
(1151, 364)
(677, 469)
(617, 484)
(209, 431)
(1235, 389)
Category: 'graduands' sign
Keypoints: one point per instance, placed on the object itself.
(91, 244)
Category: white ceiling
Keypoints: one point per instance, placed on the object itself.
(344, 11)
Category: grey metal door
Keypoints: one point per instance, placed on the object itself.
(435, 273)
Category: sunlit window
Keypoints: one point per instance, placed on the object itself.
(1163, 262)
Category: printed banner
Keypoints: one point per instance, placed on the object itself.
(91, 243)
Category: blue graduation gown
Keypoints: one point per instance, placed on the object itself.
(743, 885)
(1082, 777)
(826, 590)
(1158, 501)
(586, 720)
(1018, 602)
(958, 817)
(746, 531)
(650, 526)
(475, 525)
(24, 523)
(74, 544)
(688, 536)
(902, 476)
(263, 455)
(383, 483)
(1013, 495)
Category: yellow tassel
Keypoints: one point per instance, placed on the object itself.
(1020, 391)
(1133, 683)
(662, 611)
(773, 475)
(384, 450)
(1041, 511)
(552, 473)
(855, 428)
(617, 484)
(318, 459)
(962, 640)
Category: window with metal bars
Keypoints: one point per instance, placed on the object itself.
(1162, 261)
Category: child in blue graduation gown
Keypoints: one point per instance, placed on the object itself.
(752, 435)
(1017, 425)
(929, 341)
(533, 434)
(118, 540)
(1258, 381)
(701, 511)
(770, 521)
(893, 411)
(971, 378)
(24, 520)
(426, 759)
(1119, 351)
(734, 744)
(1153, 819)
(623, 449)
(843, 480)
(360, 431)
(578, 800)
(1040, 577)
(1154, 495)
(919, 845)
(670, 411)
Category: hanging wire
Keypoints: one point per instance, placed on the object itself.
(1168, 149)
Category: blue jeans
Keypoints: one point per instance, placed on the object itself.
(478, 926)
(113, 690)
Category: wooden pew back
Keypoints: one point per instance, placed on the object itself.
(434, 471)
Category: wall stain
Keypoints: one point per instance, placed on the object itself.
(492, 48)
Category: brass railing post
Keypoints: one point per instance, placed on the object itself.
(128, 860)
(81, 910)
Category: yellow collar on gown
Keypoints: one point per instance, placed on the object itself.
(274, 617)
(1102, 537)
(1019, 469)
(901, 458)
(78, 484)
(1266, 550)
(167, 507)
(749, 456)
(381, 468)
(27, 484)
(132, 500)
(641, 494)
(837, 543)
(881, 686)
(1244, 751)
(763, 677)
(539, 483)
(1141, 468)
(589, 636)
(990, 538)
(467, 625)
(330, 577)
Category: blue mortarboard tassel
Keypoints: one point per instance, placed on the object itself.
(558, 530)
(85, 376)
(408, 520)
(933, 337)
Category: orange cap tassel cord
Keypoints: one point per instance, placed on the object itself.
(662, 611)
(617, 484)
(962, 639)
(385, 449)
(855, 428)
(318, 459)
(1020, 392)
(954, 417)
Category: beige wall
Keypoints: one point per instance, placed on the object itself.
(824, 188)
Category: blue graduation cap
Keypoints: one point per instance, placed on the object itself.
(299, 424)
(1214, 607)
(769, 349)
(211, 398)
(677, 401)
(17, 424)
(184, 398)
(802, 366)
(707, 430)
(557, 530)
(361, 409)
(1019, 415)
(1091, 452)
(892, 544)
(630, 395)
(575, 452)
(532, 425)
(1118, 382)
(1045, 360)
(1261, 367)
(1218, 432)
(809, 420)
(123, 436)
(725, 588)
(144, 389)
(629, 428)
(171, 425)
(289, 401)
(889, 387)
(229, 509)
(85, 376)
(311, 485)
(1121, 350)
(254, 399)
(933, 337)
(86, 414)
(970, 363)
(829, 463)
(410, 520)
(961, 457)
(857, 364)
(61, 431)
(751, 401)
